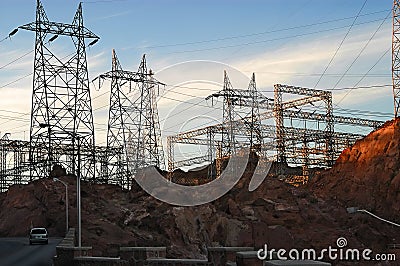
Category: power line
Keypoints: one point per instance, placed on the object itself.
(355, 75)
(22, 56)
(102, 1)
(12, 82)
(345, 111)
(272, 90)
(166, 129)
(186, 87)
(11, 118)
(259, 33)
(341, 43)
(380, 58)
(364, 111)
(2, 40)
(15, 60)
(10, 111)
(361, 87)
(271, 40)
(15, 81)
(198, 104)
(347, 88)
(362, 50)
(24, 114)
(353, 112)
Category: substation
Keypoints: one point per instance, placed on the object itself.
(297, 127)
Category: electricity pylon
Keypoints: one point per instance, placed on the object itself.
(396, 57)
(61, 116)
(235, 103)
(134, 137)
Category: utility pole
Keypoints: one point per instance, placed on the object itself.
(55, 179)
(78, 194)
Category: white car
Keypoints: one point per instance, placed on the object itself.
(38, 235)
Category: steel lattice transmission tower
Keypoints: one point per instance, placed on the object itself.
(396, 57)
(238, 135)
(134, 136)
(61, 116)
(228, 116)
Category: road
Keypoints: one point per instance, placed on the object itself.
(17, 251)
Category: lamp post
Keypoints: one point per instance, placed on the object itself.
(78, 179)
(55, 179)
(352, 210)
(78, 193)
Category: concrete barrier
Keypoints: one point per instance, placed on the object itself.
(250, 258)
(222, 255)
(137, 256)
(65, 250)
(99, 261)
(177, 262)
(64, 256)
(69, 255)
(82, 251)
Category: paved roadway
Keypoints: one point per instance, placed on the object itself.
(17, 251)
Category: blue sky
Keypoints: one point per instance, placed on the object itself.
(189, 43)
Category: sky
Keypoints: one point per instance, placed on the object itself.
(330, 44)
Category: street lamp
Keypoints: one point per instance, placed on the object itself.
(352, 210)
(78, 193)
(78, 178)
(55, 179)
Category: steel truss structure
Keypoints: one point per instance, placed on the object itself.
(396, 57)
(61, 113)
(134, 136)
(15, 167)
(237, 135)
(284, 150)
(302, 146)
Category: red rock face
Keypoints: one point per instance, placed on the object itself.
(367, 174)
(276, 213)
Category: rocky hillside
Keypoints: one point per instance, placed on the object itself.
(367, 174)
(278, 214)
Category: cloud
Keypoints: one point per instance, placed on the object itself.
(115, 15)
(297, 63)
